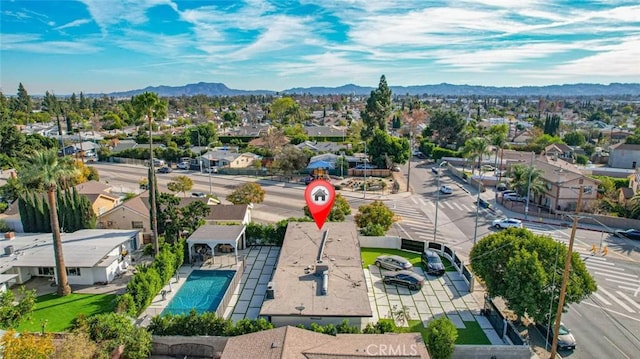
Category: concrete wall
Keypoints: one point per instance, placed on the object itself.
(380, 242)
(492, 351)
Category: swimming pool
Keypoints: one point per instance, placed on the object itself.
(202, 291)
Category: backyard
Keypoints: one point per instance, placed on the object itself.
(57, 313)
(472, 334)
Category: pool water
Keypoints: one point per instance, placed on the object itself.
(203, 291)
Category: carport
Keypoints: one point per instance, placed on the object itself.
(208, 240)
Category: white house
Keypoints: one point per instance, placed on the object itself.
(91, 255)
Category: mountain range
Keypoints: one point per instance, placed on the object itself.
(444, 89)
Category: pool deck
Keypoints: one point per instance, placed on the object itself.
(259, 263)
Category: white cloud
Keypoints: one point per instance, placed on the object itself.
(74, 23)
(108, 13)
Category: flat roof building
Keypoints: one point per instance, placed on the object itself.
(318, 279)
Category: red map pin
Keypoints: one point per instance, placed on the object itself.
(320, 195)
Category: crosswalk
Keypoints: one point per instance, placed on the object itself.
(617, 290)
(462, 207)
(413, 221)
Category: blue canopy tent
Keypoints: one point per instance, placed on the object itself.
(320, 165)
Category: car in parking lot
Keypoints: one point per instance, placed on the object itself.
(446, 189)
(431, 262)
(393, 262)
(514, 197)
(407, 278)
(165, 170)
(629, 233)
(198, 194)
(507, 223)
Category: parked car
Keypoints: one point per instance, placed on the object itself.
(507, 223)
(514, 197)
(183, 165)
(566, 340)
(198, 194)
(435, 170)
(487, 168)
(501, 187)
(395, 168)
(211, 169)
(446, 189)
(165, 170)
(393, 262)
(431, 262)
(508, 192)
(407, 278)
(629, 233)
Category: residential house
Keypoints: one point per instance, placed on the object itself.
(91, 255)
(625, 194)
(562, 183)
(86, 149)
(292, 342)
(321, 147)
(560, 151)
(99, 194)
(318, 280)
(228, 159)
(333, 158)
(326, 132)
(624, 155)
(132, 214)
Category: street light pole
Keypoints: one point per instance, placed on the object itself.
(435, 224)
(366, 160)
(210, 190)
(565, 275)
(410, 154)
(475, 229)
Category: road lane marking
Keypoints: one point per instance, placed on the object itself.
(617, 281)
(414, 200)
(612, 311)
(624, 296)
(457, 206)
(612, 272)
(615, 346)
(600, 298)
(615, 299)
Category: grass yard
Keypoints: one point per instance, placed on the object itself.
(369, 256)
(472, 334)
(60, 311)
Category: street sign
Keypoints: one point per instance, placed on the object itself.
(319, 196)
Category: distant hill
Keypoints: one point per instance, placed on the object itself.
(444, 89)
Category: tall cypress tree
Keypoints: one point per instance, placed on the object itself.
(24, 213)
(39, 215)
(33, 216)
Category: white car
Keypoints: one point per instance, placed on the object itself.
(507, 223)
(514, 197)
(183, 165)
(446, 189)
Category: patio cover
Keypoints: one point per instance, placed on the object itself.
(320, 164)
(212, 235)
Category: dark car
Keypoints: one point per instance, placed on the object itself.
(629, 233)
(407, 278)
(566, 340)
(435, 170)
(164, 170)
(431, 263)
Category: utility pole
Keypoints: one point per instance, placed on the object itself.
(565, 275)
(526, 205)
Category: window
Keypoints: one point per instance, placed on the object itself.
(136, 224)
(73, 271)
(47, 271)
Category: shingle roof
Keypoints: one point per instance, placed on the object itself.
(92, 187)
(295, 343)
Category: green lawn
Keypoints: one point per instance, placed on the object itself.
(472, 334)
(369, 256)
(60, 311)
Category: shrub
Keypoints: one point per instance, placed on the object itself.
(441, 338)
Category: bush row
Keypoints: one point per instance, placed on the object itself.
(270, 234)
(194, 324)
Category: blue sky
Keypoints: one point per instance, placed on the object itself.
(110, 45)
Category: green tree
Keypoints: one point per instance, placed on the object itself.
(150, 106)
(377, 111)
(441, 336)
(498, 138)
(26, 345)
(575, 138)
(22, 102)
(180, 184)
(520, 175)
(339, 210)
(290, 159)
(523, 268)
(386, 150)
(48, 168)
(112, 330)
(475, 149)
(448, 125)
(374, 219)
(635, 206)
(247, 193)
(12, 314)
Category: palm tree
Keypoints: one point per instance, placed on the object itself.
(47, 169)
(476, 148)
(149, 105)
(520, 180)
(635, 207)
(498, 138)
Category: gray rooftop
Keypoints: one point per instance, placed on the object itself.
(84, 248)
(216, 233)
(295, 286)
